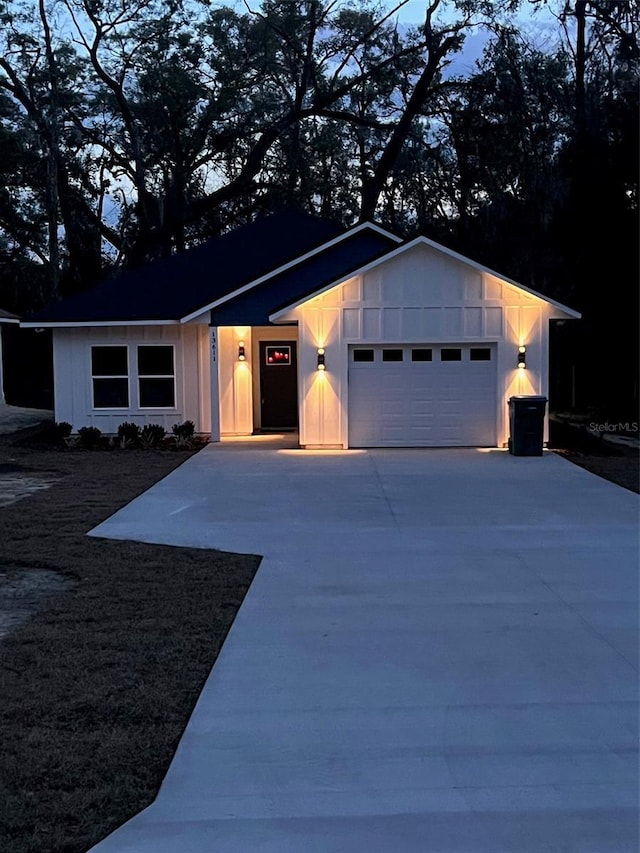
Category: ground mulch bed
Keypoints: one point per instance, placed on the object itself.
(97, 686)
(619, 466)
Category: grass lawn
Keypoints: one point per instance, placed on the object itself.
(96, 688)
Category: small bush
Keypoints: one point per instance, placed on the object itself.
(128, 434)
(184, 433)
(152, 435)
(184, 430)
(89, 437)
(63, 430)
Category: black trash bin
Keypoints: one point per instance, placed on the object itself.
(526, 425)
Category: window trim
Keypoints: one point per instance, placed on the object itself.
(126, 376)
(133, 379)
(172, 376)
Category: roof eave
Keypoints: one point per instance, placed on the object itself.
(74, 324)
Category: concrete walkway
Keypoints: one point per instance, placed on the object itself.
(439, 654)
(14, 418)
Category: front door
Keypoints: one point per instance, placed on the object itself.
(278, 385)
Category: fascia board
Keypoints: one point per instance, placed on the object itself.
(69, 324)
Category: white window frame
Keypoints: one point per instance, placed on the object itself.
(110, 376)
(172, 376)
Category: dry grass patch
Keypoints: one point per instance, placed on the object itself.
(98, 685)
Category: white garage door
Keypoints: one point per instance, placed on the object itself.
(422, 396)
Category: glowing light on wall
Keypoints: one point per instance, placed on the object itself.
(321, 361)
(522, 357)
(241, 351)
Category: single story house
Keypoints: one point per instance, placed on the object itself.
(6, 318)
(353, 336)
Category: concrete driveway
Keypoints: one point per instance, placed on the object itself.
(14, 418)
(439, 654)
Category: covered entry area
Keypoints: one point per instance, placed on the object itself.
(255, 369)
(422, 395)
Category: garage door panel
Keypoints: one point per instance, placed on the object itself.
(422, 403)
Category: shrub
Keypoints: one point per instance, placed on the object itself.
(62, 430)
(184, 433)
(152, 435)
(128, 434)
(89, 437)
(184, 430)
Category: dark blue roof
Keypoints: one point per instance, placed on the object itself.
(253, 307)
(172, 288)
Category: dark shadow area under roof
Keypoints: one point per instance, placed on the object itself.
(172, 288)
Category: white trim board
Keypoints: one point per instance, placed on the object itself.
(69, 324)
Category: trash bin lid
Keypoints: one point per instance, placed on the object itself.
(528, 398)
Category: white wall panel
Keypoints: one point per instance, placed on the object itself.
(413, 323)
(492, 288)
(473, 322)
(351, 323)
(371, 285)
(351, 290)
(73, 383)
(453, 323)
(433, 323)
(392, 324)
(371, 324)
(235, 380)
(493, 319)
(473, 286)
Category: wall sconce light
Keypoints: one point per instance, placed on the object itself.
(321, 364)
(522, 357)
(241, 353)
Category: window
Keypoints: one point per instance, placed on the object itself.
(363, 355)
(156, 377)
(421, 355)
(480, 354)
(110, 377)
(392, 355)
(451, 354)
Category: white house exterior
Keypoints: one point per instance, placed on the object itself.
(413, 346)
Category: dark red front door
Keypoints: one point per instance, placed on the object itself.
(278, 385)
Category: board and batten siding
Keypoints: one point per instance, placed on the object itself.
(419, 296)
(73, 386)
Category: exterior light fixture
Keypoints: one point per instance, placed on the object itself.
(321, 364)
(241, 353)
(522, 357)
